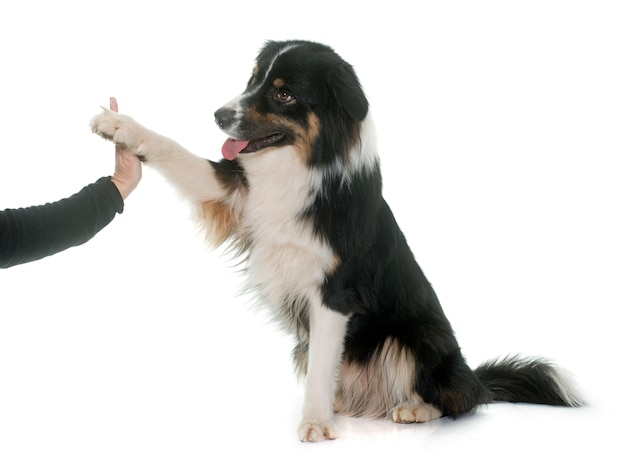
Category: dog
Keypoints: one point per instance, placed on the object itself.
(298, 195)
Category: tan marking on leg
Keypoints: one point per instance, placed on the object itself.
(219, 219)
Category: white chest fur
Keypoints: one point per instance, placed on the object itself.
(287, 261)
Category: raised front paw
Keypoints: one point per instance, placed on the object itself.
(313, 431)
(118, 128)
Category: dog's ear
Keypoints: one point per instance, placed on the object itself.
(347, 91)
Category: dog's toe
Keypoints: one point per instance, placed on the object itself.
(312, 431)
(118, 128)
(104, 125)
(415, 413)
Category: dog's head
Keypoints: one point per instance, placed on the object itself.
(300, 94)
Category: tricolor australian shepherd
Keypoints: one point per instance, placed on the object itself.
(298, 194)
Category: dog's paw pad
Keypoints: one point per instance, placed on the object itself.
(415, 413)
(312, 431)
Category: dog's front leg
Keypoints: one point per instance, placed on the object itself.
(327, 332)
(192, 176)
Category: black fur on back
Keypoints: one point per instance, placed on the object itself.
(381, 284)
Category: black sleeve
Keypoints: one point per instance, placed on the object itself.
(32, 233)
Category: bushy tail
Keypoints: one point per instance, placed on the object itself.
(533, 380)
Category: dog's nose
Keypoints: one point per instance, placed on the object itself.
(224, 117)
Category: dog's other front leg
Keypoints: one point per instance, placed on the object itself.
(327, 332)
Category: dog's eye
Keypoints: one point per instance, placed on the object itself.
(284, 96)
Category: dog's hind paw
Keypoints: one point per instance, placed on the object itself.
(312, 431)
(415, 413)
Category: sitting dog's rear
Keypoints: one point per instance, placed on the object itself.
(298, 193)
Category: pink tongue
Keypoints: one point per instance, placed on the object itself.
(232, 147)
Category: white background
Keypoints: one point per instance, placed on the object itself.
(502, 139)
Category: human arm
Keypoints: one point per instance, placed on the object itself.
(32, 233)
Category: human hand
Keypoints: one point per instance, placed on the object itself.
(127, 165)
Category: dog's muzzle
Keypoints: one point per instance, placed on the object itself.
(224, 117)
